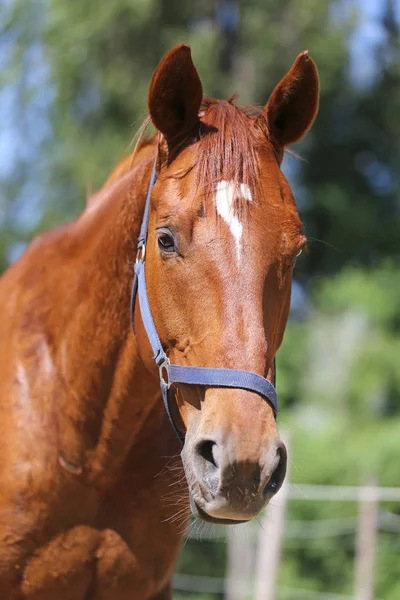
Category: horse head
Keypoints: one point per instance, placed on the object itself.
(224, 233)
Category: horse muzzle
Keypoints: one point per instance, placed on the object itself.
(228, 489)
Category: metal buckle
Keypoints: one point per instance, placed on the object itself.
(141, 253)
(163, 368)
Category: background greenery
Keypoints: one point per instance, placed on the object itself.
(73, 81)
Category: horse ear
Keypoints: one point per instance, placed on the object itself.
(175, 94)
(293, 105)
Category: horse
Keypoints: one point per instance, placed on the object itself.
(96, 488)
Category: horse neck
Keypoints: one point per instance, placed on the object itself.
(113, 394)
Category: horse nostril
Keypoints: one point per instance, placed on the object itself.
(207, 464)
(209, 451)
(278, 475)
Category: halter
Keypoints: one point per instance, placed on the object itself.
(171, 374)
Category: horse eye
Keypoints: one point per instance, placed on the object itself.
(166, 242)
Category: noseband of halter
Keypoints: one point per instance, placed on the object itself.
(171, 374)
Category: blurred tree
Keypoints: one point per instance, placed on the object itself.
(74, 80)
(353, 180)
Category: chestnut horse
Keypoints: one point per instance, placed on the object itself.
(95, 491)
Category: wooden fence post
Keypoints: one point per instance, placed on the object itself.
(366, 541)
(240, 563)
(270, 540)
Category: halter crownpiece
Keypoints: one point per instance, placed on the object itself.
(171, 374)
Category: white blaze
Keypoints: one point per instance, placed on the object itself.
(224, 202)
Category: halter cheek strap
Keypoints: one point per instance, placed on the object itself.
(171, 374)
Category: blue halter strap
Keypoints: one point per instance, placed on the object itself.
(171, 374)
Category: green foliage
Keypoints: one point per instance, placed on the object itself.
(78, 74)
(341, 359)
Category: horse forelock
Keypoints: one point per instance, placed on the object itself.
(227, 145)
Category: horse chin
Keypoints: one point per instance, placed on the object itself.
(202, 515)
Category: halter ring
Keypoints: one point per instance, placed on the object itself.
(163, 368)
(141, 253)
